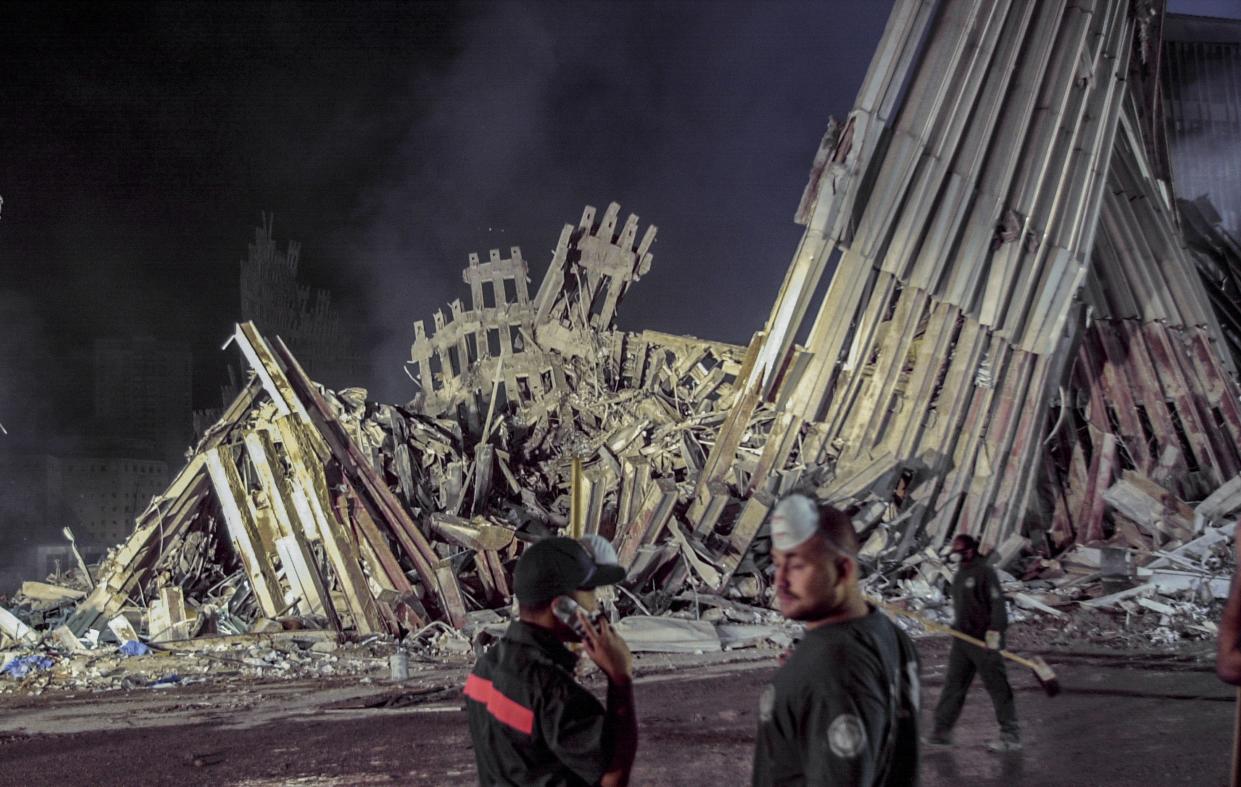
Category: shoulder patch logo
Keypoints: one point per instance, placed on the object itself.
(969, 583)
(846, 736)
(766, 703)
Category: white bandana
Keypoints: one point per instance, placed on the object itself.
(794, 520)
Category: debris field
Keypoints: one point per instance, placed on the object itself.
(1023, 336)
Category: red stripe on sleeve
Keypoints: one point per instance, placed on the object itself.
(477, 688)
(503, 709)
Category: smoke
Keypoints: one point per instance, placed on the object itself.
(1202, 82)
(1207, 159)
(1219, 8)
(23, 411)
(24, 350)
(702, 119)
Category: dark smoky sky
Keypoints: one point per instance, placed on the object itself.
(139, 143)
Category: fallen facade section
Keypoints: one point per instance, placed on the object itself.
(301, 502)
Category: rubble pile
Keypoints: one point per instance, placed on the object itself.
(135, 665)
(322, 508)
(1014, 342)
(1158, 579)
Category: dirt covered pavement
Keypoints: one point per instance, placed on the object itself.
(1125, 717)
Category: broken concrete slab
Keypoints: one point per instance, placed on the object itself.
(647, 634)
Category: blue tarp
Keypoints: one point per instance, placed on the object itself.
(134, 648)
(22, 666)
(167, 680)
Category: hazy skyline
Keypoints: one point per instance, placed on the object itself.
(391, 140)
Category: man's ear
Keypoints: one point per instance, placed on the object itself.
(848, 567)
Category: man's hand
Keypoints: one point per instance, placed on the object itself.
(993, 640)
(606, 648)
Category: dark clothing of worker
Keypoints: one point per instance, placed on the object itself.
(530, 721)
(978, 606)
(843, 710)
(963, 661)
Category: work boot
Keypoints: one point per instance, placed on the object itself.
(1005, 743)
(938, 738)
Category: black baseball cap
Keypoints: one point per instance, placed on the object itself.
(558, 566)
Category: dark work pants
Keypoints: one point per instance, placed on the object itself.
(963, 661)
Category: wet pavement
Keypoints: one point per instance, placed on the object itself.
(1122, 719)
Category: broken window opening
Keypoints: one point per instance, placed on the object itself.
(1152, 440)
(1191, 461)
(600, 299)
(801, 330)
(1122, 450)
(510, 290)
(514, 335)
(523, 388)
(1083, 435)
(489, 295)
(896, 298)
(471, 348)
(493, 342)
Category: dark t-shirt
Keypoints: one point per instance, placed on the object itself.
(843, 710)
(977, 603)
(531, 723)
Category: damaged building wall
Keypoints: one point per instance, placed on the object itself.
(964, 224)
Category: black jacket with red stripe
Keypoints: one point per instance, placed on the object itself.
(530, 721)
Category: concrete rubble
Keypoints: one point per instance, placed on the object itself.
(1023, 337)
(312, 509)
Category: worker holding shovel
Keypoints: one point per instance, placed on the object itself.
(978, 608)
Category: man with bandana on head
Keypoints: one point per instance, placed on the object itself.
(978, 610)
(843, 709)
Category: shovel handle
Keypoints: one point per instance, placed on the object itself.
(950, 631)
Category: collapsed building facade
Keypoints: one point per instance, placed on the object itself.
(1020, 338)
(1012, 315)
(301, 501)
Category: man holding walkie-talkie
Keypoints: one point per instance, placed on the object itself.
(530, 721)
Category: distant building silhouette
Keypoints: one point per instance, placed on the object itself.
(102, 496)
(143, 391)
(97, 496)
(303, 316)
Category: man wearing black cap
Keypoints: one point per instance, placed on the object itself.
(530, 721)
(978, 609)
(843, 709)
